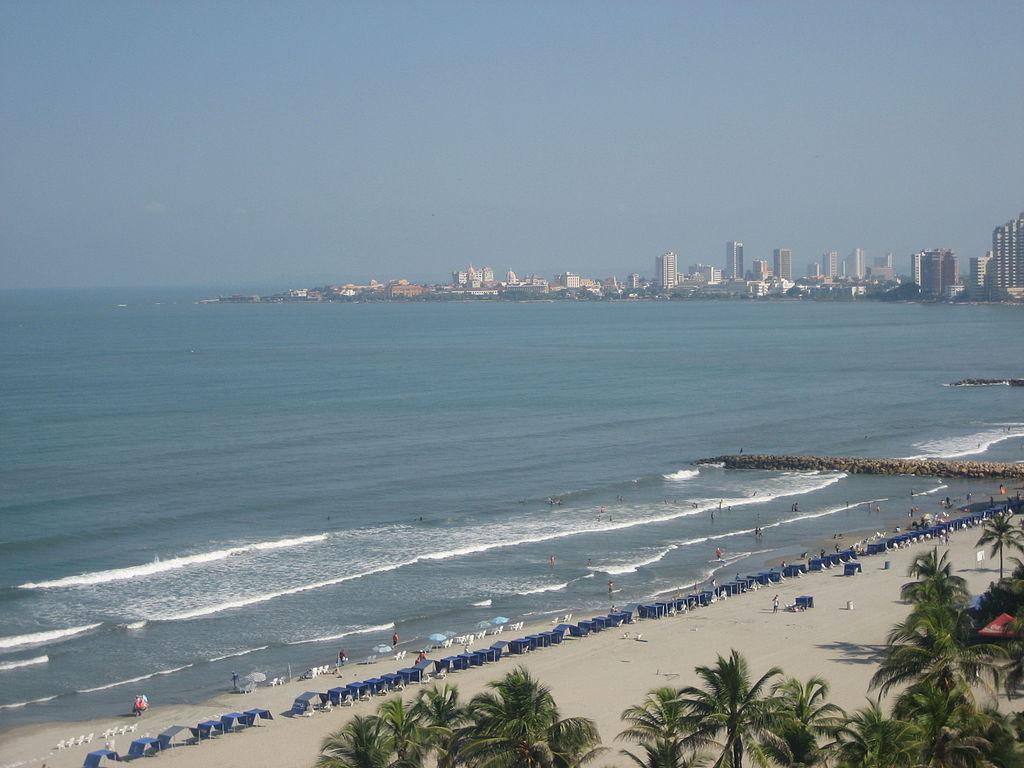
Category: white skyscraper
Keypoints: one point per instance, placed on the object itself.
(855, 264)
(733, 261)
(665, 270)
(830, 263)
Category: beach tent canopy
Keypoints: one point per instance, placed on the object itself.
(253, 714)
(143, 746)
(1000, 626)
(167, 736)
(95, 759)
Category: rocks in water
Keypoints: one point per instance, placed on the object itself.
(988, 383)
(868, 466)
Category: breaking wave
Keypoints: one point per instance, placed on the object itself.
(967, 445)
(682, 474)
(6, 666)
(238, 653)
(174, 563)
(135, 679)
(44, 638)
(354, 631)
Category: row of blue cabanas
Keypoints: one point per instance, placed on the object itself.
(145, 746)
(363, 690)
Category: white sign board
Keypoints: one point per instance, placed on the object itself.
(981, 555)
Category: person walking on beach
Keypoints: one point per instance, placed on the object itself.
(775, 604)
(394, 639)
(342, 657)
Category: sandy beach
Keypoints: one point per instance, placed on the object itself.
(596, 677)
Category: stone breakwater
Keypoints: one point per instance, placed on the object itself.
(867, 466)
(988, 383)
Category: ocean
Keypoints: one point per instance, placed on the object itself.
(188, 491)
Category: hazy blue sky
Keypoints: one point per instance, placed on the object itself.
(147, 143)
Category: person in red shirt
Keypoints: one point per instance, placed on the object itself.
(394, 640)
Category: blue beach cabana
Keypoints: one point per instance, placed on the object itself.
(805, 601)
(393, 680)
(578, 630)
(794, 569)
(145, 745)
(500, 646)
(303, 703)
(521, 645)
(168, 736)
(336, 695)
(208, 728)
(233, 719)
(358, 690)
(628, 612)
(253, 716)
(852, 569)
(100, 757)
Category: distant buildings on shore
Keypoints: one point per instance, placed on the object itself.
(935, 275)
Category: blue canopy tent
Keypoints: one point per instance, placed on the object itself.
(600, 622)
(851, 569)
(500, 646)
(377, 684)
(876, 547)
(704, 598)
(628, 612)
(816, 564)
(613, 620)
(540, 640)
(490, 654)
(834, 559)
(477, 658)
(167, 736)
(253, 716)
(304, 702)
(206, 729)
(563, 628)
(521, 645)
(336, 695)
(233, 719)
(357, 690)
(578, 630)
(393, 680)
(96, 758)
(805, 601)
(794, 569)
(143, 746)
(410, 675)
(588, 625)
(554, 636)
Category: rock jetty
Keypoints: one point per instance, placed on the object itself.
(988, 383)
(868, 466)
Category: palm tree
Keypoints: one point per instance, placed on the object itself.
(400, 724)
(807, 717)
(871, 740)
(444, 716)
(935, 581)
(945, 728)
(932, 646)
(1001, 534)
(517, 725)
(656, 725)
(360, 743)
(731, 708)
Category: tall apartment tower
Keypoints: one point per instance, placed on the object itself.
(1007, 265)
(665, 270)
(733, 261)
(855, 266)
(782, 263)
(935, 270)
(979, 270)
(830, 263)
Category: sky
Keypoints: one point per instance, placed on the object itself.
(297, 143)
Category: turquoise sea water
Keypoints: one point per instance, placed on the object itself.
(208, 489)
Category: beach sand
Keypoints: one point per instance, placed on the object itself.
(595, 677)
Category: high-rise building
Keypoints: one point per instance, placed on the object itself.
(935, 270)
(1007, 265)
(634, 281)
(761, 268)
(814, 269)
(830, 263)
(855, 266)
(782, 263)
(487, 274)
(733, 261)
(665, 270)
(979, 270)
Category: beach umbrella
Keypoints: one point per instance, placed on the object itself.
(255, 677)
(438, 637)
(382, 648)
(498, 620)
(483, 624)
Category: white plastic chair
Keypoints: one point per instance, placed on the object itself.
(60, 746)
(132, 729)
(88, 739)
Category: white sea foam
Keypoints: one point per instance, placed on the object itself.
(6, 666)
(133, 626)
(707, 573)
(43, 638)
(616, 570)
(967, 445)
(19, 704)
(238, 653)
(354, 631)
(818, 481)
(135, 679)
(174, 563)
(482, 604)
(931, 491)
(548, 588)
(682, 474)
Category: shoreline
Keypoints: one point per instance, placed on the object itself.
(34, 743)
